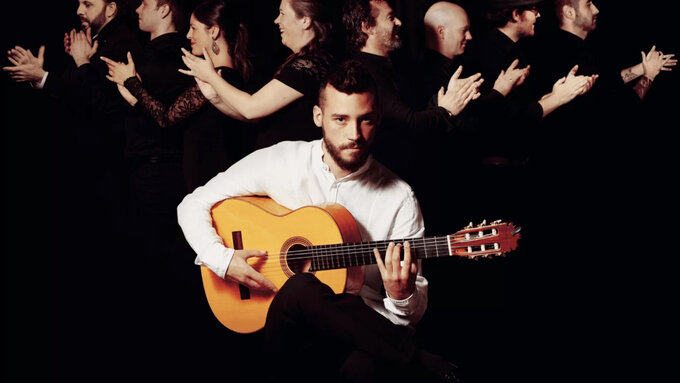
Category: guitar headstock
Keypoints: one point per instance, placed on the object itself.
(485, 240)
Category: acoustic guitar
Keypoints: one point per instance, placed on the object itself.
(323, 240)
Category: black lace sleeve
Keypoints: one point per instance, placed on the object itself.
(184, 106)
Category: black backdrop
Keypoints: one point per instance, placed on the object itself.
(620, 325)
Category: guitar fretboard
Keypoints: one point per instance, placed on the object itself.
(339, 256)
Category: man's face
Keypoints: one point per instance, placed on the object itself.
(348, 122)
(527, 22)
(92, 14)
(586, 15)
(386, 25)
(457, 34)
(149, 15)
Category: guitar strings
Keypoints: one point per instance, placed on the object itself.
(273, 266)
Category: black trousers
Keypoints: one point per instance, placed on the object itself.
(313, 334)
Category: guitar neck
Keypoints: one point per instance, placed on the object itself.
(338, 256)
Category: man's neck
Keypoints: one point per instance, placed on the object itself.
(575, 31)
(511, 32)
(162, 30)
(374, 49)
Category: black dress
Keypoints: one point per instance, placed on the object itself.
(294, 121)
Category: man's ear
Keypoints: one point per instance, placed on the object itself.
(165, 10)
(111, 10)
(568, 12)
(318, 115)
(516, 14)
(366, 29)
(441, 32)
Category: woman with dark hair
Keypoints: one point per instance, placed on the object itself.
(213, 141)
(287, 100)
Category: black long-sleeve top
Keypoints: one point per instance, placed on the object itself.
(158, 67)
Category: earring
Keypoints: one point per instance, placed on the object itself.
(215, 48)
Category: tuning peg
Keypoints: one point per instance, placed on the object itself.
(483, 223)
(496, 222)
(469, 226)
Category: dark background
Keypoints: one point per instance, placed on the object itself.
(615, 320)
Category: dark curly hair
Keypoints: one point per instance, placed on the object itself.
(348, 77)
(355, 14)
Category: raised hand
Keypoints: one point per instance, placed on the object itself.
(567, 88)
(82, 48)
(240, 271)
(201, 68)
(399, 280)
(510, 78)
(25, 66)
(459, 92)
(655, 61)
(119, 72)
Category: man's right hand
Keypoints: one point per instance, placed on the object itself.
(25, 66)
(240, 271)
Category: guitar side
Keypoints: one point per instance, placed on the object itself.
(264, 225)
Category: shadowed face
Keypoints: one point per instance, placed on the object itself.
(386, 25)
(150, 15)
(586, 15)
(348, 122)
(527, 22)
(92, 14)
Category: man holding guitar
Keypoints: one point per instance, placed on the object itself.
(360, 330)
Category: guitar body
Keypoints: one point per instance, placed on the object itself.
(262, 224)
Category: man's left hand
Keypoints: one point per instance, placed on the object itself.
(399, 280)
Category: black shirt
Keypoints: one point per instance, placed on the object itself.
(158, 67)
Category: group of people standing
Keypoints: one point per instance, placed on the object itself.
(152, 119)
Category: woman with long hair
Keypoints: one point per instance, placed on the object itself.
(285, 103)
(212, 141)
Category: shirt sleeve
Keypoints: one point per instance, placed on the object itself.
(409, 224)
(246, 177)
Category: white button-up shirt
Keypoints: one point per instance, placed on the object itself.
(294, 175)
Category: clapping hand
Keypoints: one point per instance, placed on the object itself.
(459, 92)
(25, 66)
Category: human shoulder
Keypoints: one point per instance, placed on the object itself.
(385, 180)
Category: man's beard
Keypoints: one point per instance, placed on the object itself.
(350, 165)
(585, 24)
(96, 24)
(391, 41)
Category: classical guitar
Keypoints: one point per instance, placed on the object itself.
(323, 240)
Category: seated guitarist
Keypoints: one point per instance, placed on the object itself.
(309, 328)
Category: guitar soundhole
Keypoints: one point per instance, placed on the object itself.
(296, 259)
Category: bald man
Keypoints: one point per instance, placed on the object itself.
(447, 32)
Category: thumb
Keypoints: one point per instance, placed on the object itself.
(254, 253)
(455, 76)
(513, 64)
(129, 58)
(95, 46)
(41, 53)
(572, 72)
